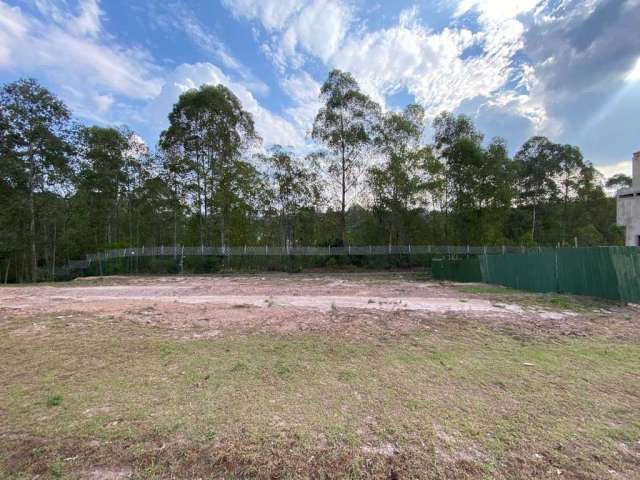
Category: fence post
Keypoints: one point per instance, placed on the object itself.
(575, 239)
(182, 260)
(409, 249)
(503, 249)
(557, 273)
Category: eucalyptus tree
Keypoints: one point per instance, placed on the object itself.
(538, 167)
(618, 181)
(496, 191)
(296, 187)
(101, 184)
(37, 145)
(570, 166)
(344, 125)
(407, 171)
(210, 130)
(452, 136)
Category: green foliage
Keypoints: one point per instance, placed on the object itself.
(54, 400)
(79, 190)
(344, 124)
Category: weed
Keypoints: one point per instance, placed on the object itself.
(55, 469)
(54, 400)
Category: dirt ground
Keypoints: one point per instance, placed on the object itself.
(374, 375)
(209, 306)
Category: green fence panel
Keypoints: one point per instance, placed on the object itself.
(626, 262)
(535, 271)
(457, 270)
(588, 271)
(605, 272)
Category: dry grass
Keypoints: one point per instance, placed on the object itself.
(451, 398)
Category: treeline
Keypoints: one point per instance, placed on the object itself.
(67, 189)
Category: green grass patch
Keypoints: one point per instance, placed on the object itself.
(457, 401)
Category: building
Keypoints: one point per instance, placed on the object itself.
(628, 200)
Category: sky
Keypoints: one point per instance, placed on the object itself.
(566, 69)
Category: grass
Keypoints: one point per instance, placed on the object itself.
(553, 301)
(455, 400)
(54, 400)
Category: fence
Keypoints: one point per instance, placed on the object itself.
(204, 259)
(180, 250)
(606, 272)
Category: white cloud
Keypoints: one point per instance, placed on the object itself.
(431, 65)
(305, 92)
(609, 171)
(88, 21)
(319, 28)
(297, 27)
(272, 13)
(271, 127)
(492, 11)
(71, 56)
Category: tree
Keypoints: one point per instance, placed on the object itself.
(538, 167)
(570, 165)
(209, 130)
(449, 132)
(295, 188)
(36, 128)
(618, 181)
(401, 181)
(496, 191)
(102, 181)
(344, 124)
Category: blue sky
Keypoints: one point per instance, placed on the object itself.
(568, 69)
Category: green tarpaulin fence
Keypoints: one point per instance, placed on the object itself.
(457, 270)
(607, 272)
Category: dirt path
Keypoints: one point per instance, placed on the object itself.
(203, 307)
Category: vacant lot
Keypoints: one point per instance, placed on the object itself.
(378, 376)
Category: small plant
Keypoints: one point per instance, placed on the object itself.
(281, 369)
(55, 469)
(54, 400)
(238, 367)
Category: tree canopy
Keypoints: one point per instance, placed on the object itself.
(374, 178)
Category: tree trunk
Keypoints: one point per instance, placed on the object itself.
(343, 203)
(53, 253)
(533, 223)
(6, 271)
(32, 232)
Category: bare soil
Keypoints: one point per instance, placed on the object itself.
(210, 306)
